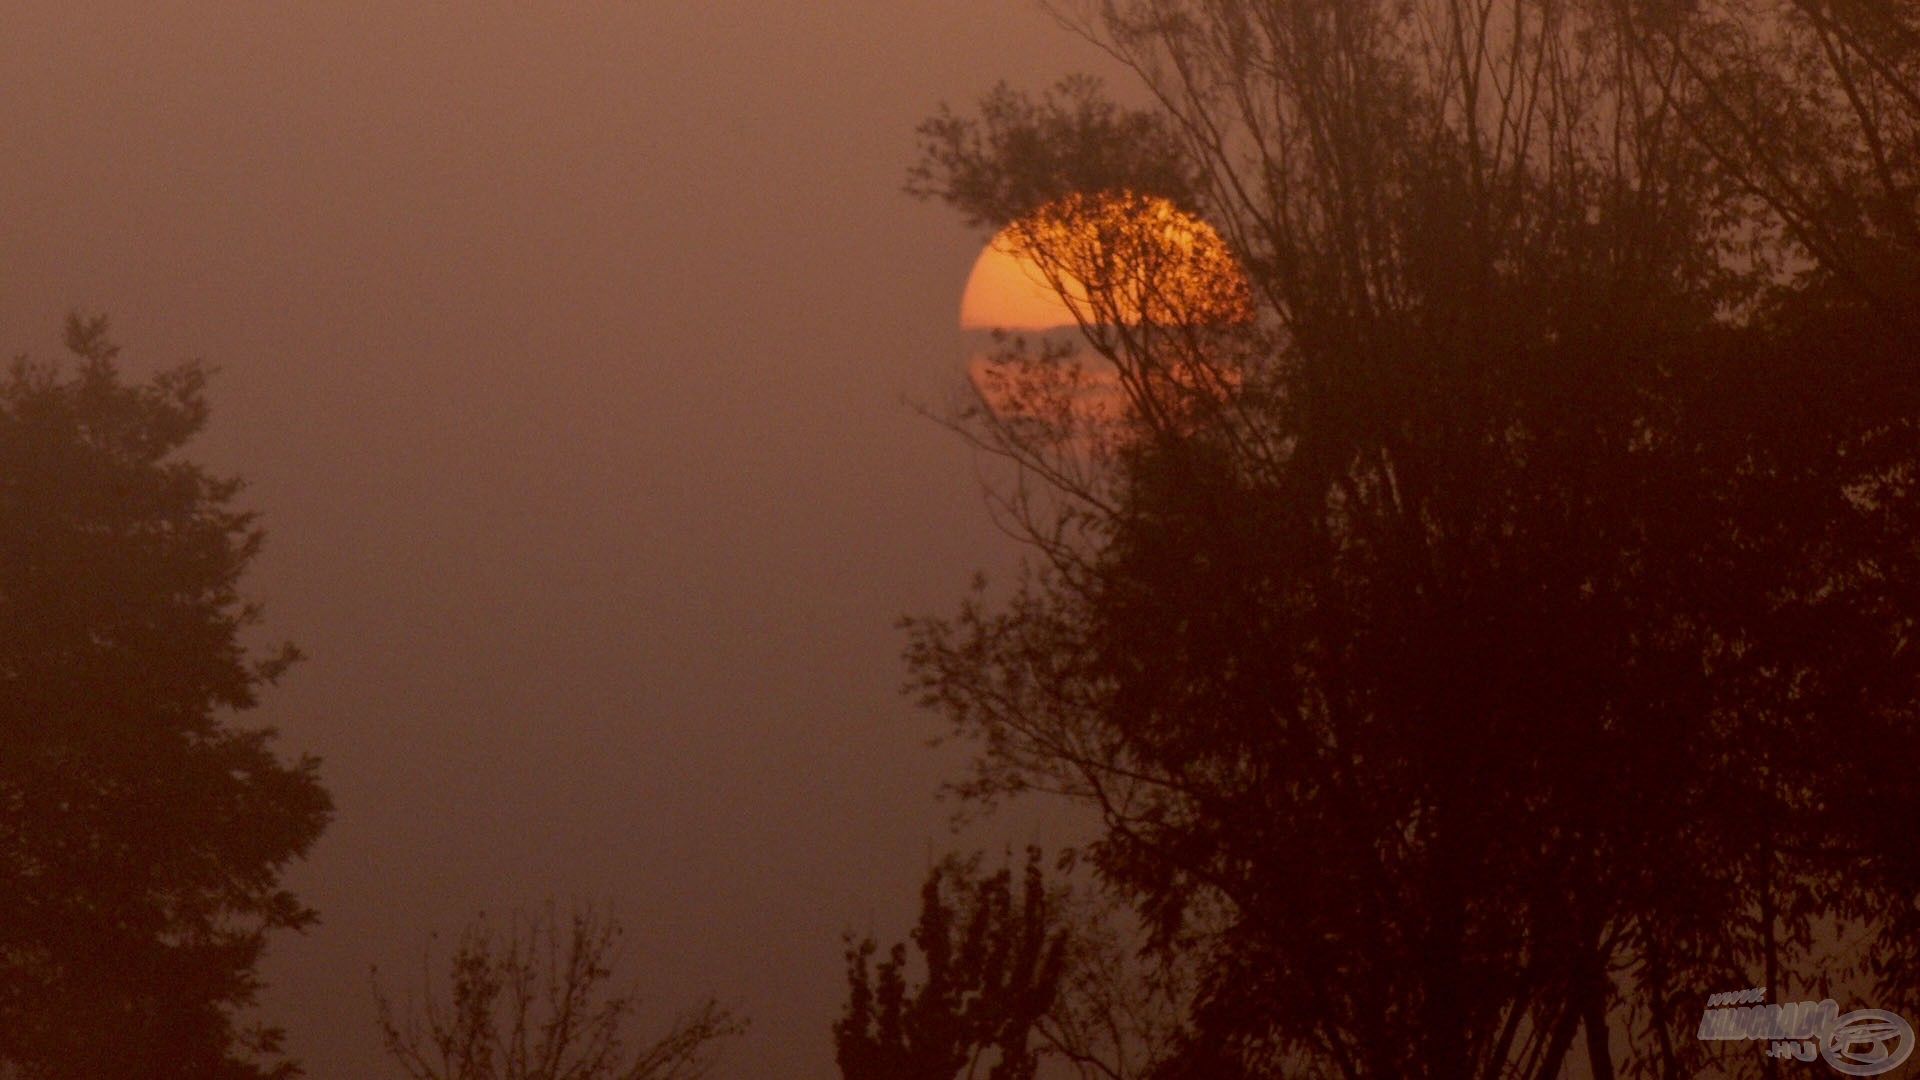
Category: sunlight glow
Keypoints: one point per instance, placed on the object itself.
(1111, 257)
(1079, 268)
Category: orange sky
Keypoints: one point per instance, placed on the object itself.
(565, 346)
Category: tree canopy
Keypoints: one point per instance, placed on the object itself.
(143, 832)
(993, 960)
(1512, 644)
(541, 999)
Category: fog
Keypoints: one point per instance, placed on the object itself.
(569, 351)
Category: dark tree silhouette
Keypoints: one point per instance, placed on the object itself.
(1022, 153)
(1812, 108)
(992, 965)
(142, 832)
(536, 1000)
(1449, 668)
(1119, 1012)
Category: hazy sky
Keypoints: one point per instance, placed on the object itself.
(564, 345)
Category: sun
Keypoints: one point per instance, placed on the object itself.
(1080, 266)
(1104, 258)
(1007, 290)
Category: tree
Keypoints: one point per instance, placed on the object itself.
(1120, 1011)
(1052, 980)
(993, 962)
(1547, 479)
(1813, 108)
(142, 832)
(535, 1000)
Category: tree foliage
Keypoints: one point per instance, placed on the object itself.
(1120, 1011)
(1022, 152)
(992, 961)
(142, 832)
(1513, 643)
(536, 1000)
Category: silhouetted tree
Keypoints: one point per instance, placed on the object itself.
(1021, 153)
(992, 965)
(1119, 1012)
(536, 1000)
(142, 832)
(1445, 671)
(1813, 108)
